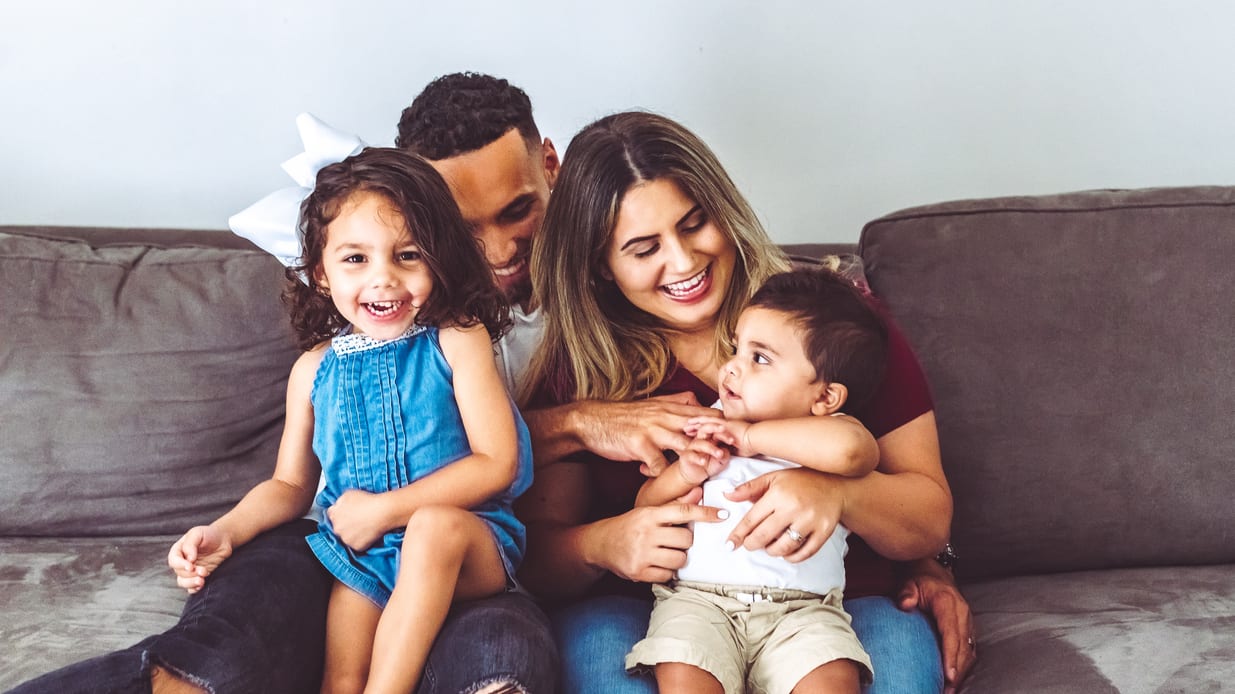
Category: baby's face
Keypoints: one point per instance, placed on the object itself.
(769, 376)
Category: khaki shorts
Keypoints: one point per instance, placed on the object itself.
(751, 639)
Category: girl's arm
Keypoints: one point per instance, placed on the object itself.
(836, 444)
(287, 495)
(360, 518)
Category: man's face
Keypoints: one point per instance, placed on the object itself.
(502, 190)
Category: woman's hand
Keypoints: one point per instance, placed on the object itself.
(806, 501)
(196, 555)
(649, 543)
(359, 519)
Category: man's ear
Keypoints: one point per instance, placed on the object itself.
(830, 399)
(552, 164)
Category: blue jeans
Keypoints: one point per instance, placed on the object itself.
(595, 635)
(259, 626)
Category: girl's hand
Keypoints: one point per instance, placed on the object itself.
(809, 502)
(649, 543)
(196, 555)
(359, 519)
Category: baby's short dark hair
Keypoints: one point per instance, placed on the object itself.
(842, 334)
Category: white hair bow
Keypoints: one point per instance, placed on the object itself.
(273, 222)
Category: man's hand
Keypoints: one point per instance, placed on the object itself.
(359, 519)
(196, 555)
(640, 430)
(932, 589)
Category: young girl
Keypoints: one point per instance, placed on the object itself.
(399, 398)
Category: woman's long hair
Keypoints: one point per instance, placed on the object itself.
(597, 345)
(464, 290)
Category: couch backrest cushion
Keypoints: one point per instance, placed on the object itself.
(1081, 350)
(141, 382)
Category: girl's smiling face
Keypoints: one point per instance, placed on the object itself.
(668, 258)
(372, 267)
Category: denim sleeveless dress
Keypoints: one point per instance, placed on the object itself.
(385, 416)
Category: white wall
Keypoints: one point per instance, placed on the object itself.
(828, 113)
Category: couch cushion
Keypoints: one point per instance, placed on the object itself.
(141, 386)
(1080, 351)
(66, 600)
(1122, 630)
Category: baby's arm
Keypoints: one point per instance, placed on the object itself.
(287, 495)
(360, 518)
(836, 444)
(697, 463)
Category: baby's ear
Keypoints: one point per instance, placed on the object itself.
(830, 399)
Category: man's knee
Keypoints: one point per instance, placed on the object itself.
(164, 682)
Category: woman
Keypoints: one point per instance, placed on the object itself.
(646, 256)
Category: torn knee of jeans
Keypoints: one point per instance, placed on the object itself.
(498, 685)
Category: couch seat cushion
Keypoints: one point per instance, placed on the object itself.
(65, 600)
(1125, 630)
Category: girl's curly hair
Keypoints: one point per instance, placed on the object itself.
(464, 290)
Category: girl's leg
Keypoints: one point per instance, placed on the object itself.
(448, 554)
(680, 677)
(902, 647)
(836, 677)
(351, 620)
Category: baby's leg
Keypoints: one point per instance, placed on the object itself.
(448, 554)
(680, 677)
(351, 620)
(836, 677)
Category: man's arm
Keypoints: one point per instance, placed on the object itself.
(623, 431)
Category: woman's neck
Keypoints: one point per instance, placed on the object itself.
(696, 352)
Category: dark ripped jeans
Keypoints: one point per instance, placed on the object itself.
(259, 627)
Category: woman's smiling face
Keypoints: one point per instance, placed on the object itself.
(668, 258)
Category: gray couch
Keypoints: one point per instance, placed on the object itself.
(1080, 348)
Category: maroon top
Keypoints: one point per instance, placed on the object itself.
(902, 397)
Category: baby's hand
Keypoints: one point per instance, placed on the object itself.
(701, 460)
(730, 432)
(358, 518)
(196, 555)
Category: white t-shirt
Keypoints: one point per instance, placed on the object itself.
(709, 561)
(514, 350)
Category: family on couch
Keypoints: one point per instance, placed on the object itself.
(625, 286)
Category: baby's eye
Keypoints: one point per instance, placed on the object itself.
(760, 358)
(354, 258)
(409, 256)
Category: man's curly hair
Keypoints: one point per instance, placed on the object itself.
(463, 112)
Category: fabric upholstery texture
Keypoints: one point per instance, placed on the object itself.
(1079, 349)
(141, 386)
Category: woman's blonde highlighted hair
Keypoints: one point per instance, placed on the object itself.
(597, 345)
